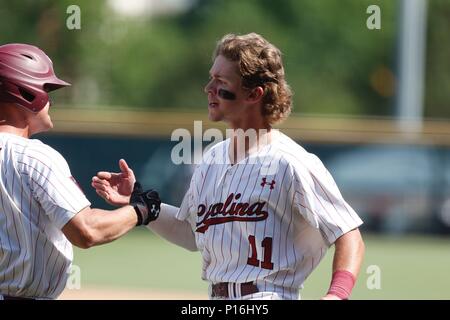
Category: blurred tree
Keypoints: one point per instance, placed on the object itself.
(330, 55)
(43, 23)
(334, 64)
(437, 94)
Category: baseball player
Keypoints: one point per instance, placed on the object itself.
(263, 218)
(42, 209)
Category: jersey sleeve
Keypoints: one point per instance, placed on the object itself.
(51, 184)
(319, 201)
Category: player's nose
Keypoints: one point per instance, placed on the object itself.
(209, 88)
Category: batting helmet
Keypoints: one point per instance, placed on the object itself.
(26, 76)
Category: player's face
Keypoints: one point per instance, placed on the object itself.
(41, 121)
(226, 98)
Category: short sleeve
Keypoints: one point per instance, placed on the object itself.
(320, 202)
(51, 184)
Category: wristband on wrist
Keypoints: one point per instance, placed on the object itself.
(342, 283)
(147, 204)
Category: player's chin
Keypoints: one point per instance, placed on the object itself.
(47, 126)
(214, 116)
(49, 123)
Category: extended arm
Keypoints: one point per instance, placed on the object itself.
(116, 188)
(91, 227)
(173, 230)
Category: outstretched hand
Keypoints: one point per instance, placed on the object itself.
(115, 188)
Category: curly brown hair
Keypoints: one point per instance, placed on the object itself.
(260, 64)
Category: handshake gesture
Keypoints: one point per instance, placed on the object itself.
(121, 189)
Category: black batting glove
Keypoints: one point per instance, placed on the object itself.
(147, 204)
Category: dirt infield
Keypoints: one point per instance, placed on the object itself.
(104, 293)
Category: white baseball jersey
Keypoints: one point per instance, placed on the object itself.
(38, 196)
(270, 218)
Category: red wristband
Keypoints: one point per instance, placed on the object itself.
(342, 284)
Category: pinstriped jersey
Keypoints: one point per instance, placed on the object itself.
(38, 196)
(271, 216)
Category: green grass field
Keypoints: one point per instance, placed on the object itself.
(413, 267)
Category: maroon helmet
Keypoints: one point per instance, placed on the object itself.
(26, 76)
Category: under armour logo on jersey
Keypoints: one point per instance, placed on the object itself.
(271, 184)
(153, 210)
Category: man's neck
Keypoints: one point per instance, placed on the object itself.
(14, 120)
(243, 143)
(21, 132)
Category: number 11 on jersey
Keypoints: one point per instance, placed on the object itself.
(266, 244)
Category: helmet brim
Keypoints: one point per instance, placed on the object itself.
(55, 84)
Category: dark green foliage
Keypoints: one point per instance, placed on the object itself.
(334, 64)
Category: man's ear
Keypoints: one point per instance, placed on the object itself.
(255, 95)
